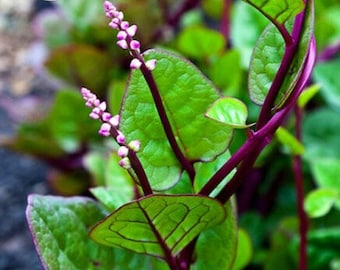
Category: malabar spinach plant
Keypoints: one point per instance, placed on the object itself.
(169, 202)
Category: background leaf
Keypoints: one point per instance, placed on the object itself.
(325, 74)
(200, 42)
(186, 94)
(278, 10)
(175, 219)
(75, 65)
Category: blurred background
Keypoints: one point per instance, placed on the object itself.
(49, 49)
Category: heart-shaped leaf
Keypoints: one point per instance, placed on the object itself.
(229, 111)
(158, 222)
(278, 11)
(186, 94)
(267, 57)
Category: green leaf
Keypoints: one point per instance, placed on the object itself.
(266, 59)
(175, 220)
(244, 250)
(230, 111)
(267, 56)
(308, 94)
(230, 61)
(327, 172)
(290, 141)
(59, 227)
(186, 95)
(278, 10)
(325, 74)
(216, 247)
(247, 24)
(319, 202)
(75, 65)
(200, 42)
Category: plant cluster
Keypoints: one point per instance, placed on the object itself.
(180, 140)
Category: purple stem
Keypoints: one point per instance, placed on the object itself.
(163, 117)
(225, 21)
(298, 175)
(290, 51)
(248, 152)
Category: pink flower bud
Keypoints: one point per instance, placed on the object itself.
(123, 151)
(106, 117)
(151, 64)
(115, 120)
(105, 129)
(119, 15)
(131, 31)
(135, 63)
(121, 35)
(134, 45)
(124, 25)
(120, 138)
(125, 163)
(102, 106)
(123, 44)
(134, 145)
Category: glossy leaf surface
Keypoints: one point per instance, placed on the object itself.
(186, 95)
(229, 111)
(145, 225)
(267, 57)
(278, 10)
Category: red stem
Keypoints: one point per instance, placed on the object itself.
(298, 175)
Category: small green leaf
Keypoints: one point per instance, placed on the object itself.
(59, 227)
(319, 202)
(200, 42)
(175, 220)
(230, 111)
(278, 11)
(186, 95)
(308, 94)
(290, 141)
(327, 172)
(244, 250)
(216, 247)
